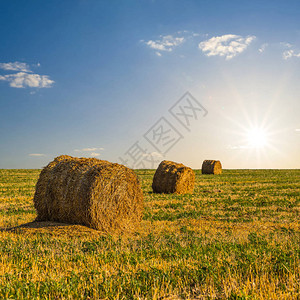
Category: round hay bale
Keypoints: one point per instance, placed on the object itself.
(211, 167)
(88, 191)
(171, 177)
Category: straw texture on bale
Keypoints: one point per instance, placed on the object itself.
(171, 177)
(211, 167)
(88, 191)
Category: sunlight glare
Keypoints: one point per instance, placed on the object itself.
(257, 138)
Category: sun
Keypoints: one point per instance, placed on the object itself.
(257, 138)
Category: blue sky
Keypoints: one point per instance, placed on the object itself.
(91, 78)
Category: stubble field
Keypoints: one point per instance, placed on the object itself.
(236, 237)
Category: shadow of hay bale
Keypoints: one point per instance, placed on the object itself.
(53, 228)
(34, 225)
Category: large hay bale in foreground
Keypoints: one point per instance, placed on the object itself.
(211, 167)
(88, 191)
(171, 177)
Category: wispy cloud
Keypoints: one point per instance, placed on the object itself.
(165, 43)
(90, 149)
(15, 66)
(286, 45)
(290, 53)
(22, 80)
(228, 45)
(263, 47)
(36, 154)
(94, 154)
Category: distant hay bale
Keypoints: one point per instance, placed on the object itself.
(171, 177)
(211, 167)
(88, 191)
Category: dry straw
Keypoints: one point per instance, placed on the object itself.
(211, 167)
(171, 177)
(96, 193)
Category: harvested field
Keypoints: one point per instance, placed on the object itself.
(237, 236)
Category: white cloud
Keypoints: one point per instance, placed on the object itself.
(290, 53)
(287, 54)
(22, 80)
(182, 31)
(287, 45)
(88, 149)
(94, 154)
(263, 47)
(188, 34)
(15, 66)
(36, 154)
(24, 77)
(297, 130)
(228, 45)
(158, 53)
(165, 43)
